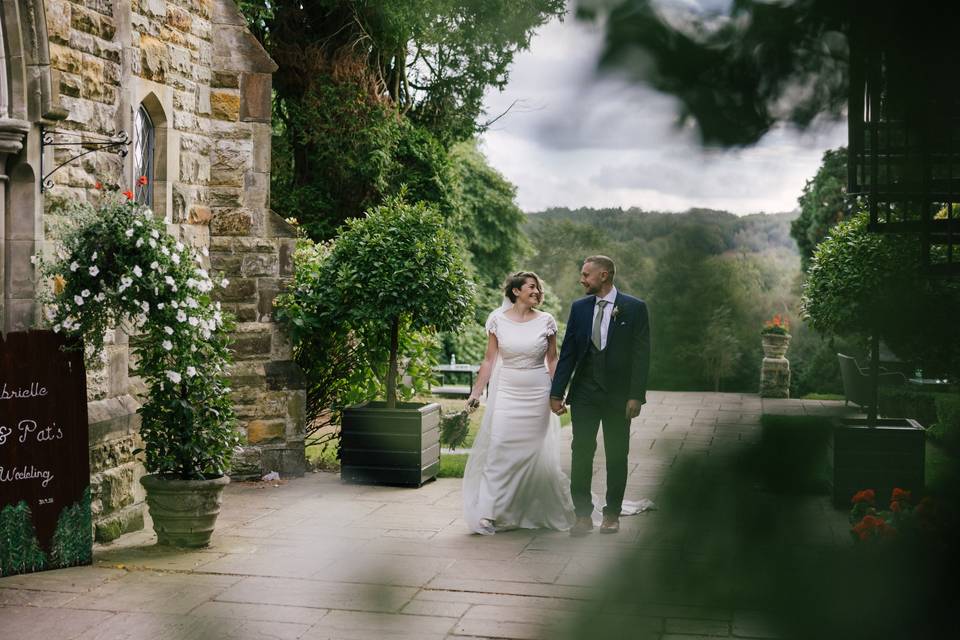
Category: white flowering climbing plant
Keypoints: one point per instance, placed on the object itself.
(118, 266)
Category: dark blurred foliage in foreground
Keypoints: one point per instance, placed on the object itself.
(740, 68)
(740, 533)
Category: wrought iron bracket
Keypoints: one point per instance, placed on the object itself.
(49, 138)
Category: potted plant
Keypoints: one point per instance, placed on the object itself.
(395, 272)
(775, 337)
(863, 284)
(118, 267)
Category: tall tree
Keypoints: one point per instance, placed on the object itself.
(492, 221)
(823, 204)
(370, 93)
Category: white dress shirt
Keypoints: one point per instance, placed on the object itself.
(611, 299)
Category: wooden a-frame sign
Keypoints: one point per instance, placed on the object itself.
(45, 520)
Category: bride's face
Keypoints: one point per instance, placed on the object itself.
(530, 293)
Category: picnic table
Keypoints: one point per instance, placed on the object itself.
(456, 369)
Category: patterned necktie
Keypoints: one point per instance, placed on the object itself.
(597, 323)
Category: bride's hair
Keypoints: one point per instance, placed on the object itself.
(517, 280)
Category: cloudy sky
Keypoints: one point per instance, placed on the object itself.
(575, 139)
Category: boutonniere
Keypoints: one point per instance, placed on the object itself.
(616, 310)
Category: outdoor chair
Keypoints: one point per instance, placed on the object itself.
(856, 380)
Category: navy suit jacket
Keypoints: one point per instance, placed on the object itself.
(626, 358)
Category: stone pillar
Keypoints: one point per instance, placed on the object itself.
(775, 370)
(16, 239)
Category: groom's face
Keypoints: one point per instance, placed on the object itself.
(592, 278)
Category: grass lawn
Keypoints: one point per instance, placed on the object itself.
(452, 465)
(823, 396)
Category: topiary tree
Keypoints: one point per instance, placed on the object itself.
(861, 283)
(399, 267)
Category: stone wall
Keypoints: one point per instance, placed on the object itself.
(206, 84)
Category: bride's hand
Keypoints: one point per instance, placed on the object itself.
(473, 403)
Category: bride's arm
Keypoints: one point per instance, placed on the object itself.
(552, 354)
(486, 368)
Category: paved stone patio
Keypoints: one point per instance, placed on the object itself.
(313, 558)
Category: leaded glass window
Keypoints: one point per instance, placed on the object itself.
(144, 141)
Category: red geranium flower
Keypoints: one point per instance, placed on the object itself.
(867, 495)
(142, 180)
(98, 185)
(895, 506)
(129, 194)
(900, 494)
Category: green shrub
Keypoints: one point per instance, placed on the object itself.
(905, 402)
(946, 431)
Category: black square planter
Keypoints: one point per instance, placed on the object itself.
(398, 446)
(890, 454)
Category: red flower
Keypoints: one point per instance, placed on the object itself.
(142, 180)
(867, 495)
(98, 185)
(900, 494)
(129, 194)
(895, 506)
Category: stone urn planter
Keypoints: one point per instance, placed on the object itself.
(399, 446)
(184, 512)
(889, 454)
(775, 344)
(775, 369)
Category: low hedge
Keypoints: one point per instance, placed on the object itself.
(904, 402)
(946, 430)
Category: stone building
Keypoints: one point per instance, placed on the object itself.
(191, 88)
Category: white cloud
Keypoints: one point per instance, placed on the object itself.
(577, 139)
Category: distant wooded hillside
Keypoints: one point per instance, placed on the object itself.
(711, 278)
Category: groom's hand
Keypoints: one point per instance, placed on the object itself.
(556, 405)
(633, 408)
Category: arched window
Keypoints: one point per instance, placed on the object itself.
(144, 143)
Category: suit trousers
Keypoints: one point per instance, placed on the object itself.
(587, 414)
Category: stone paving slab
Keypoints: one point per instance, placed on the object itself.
(313, 558)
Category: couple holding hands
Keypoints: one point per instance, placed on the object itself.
(513, 477)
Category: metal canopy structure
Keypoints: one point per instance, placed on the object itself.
(904, 133)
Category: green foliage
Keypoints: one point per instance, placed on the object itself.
(717, 350)
(337, 156)
(860, 282)
(398, 271)
(492, 221)
(19, 550)
(339, 371)
(369, 96)
(823, 204)
(73, 537)
(711, 278)
(118, 266)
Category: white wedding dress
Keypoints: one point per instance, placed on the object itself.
(513, 475)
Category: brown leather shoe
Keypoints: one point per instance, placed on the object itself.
(582, 527)
(611, 524)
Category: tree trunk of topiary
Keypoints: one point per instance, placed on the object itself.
(392, 367)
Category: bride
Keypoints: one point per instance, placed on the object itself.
(513, 477)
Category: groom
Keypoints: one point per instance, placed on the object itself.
(607, 351)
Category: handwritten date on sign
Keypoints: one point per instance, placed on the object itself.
(29, 430)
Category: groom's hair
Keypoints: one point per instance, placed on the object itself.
(604, 263)
(517, 280)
